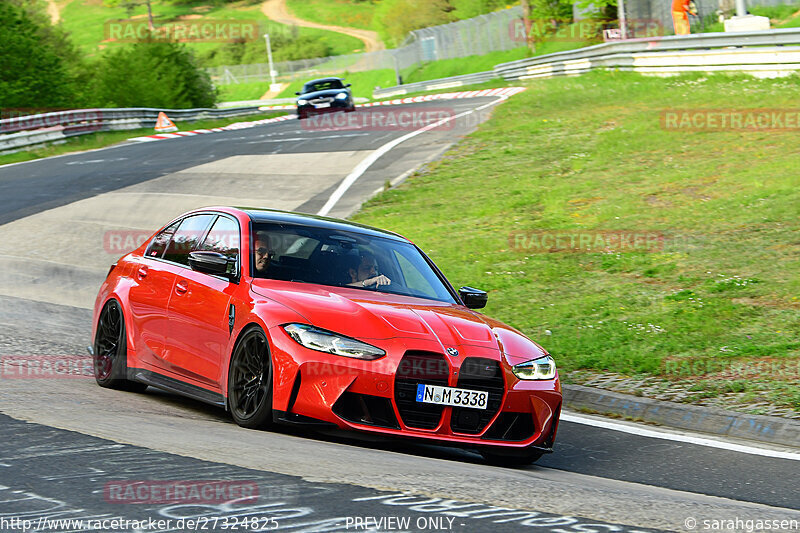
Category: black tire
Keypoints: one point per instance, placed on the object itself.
(111, 351)
(511, 457)
(250, 380)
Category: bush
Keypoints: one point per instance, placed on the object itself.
(285, 47)
(153, 74)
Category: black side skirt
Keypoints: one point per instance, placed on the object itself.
(173, 385)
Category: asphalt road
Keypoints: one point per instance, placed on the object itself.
(32, 187)
(623, 481)
(58, 476)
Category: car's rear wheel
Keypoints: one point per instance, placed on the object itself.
(111, 351)
(250, 381)
(511, 457)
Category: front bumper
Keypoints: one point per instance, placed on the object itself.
(379, 396)
(333, 107)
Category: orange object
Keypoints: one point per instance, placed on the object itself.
(680, 19)
(164, 124)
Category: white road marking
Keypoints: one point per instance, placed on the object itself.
(81, 152)
(366, 163)
(687, 439)
(297, 139)
(96, 161)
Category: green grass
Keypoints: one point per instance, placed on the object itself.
(363, 83)
(589, 154)
(354, 14)
(86, 20)
(776, 14)
(93, 141)
(445, 68)
(243, 91)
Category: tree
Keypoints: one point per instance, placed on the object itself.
(527, 22)
(33, 71)
(129, 6)
(153, 73)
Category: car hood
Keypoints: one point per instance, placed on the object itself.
(321, 94)
(369, 315)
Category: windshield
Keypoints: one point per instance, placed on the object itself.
(322, 86)
(342, 259)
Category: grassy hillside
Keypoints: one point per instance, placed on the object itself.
(352, 13)
(86, 20)
(714, 306)
(374, 14)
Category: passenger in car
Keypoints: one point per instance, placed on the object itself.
(363, 272)
(263, 254)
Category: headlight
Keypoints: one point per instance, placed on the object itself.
(542, 368)
(302, 102)
(330, 342)
(341, 96)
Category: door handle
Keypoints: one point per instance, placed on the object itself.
(142, 271)
(181, 287)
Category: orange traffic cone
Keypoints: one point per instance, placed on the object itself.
(164, 124)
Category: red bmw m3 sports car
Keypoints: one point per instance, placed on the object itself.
(286, 318)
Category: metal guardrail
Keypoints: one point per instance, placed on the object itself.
(433, 85)
(31, 130)
(763, 52)
(625, 53)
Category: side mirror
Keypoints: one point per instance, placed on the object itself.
(210, 263)
(473, 298)
(297, 93)
(348, 85)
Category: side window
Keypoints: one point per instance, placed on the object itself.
(415, 281)
(160, 241)
(223, 238)
(186, 238)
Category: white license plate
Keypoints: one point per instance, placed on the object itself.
(475, 399)
(321, 106)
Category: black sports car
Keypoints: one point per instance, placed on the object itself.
(324, 95)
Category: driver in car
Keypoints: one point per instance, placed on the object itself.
(264, 254)
(363, 272)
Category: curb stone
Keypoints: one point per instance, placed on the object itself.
(767, 429)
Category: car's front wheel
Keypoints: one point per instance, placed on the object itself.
(250, 380)
(111, 351)
(510, 457)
